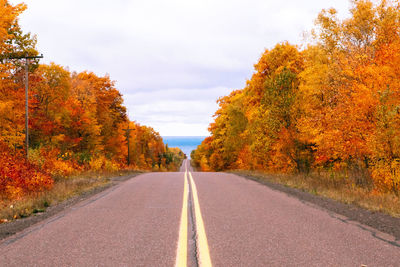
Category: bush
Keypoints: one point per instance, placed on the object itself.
(19, 177)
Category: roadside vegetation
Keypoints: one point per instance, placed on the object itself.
(324, 115)
(77, 129)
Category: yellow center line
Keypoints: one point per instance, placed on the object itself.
(181, 254)
(202, 244)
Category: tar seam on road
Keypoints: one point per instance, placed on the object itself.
(193, 257)
(373, 232)
(181, 253)
(344, 219)
(202, 244)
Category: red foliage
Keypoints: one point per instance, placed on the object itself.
(18, 177)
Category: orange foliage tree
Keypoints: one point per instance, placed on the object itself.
(333, 104)
(77, 120)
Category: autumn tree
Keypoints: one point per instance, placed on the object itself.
(333, 104)
(77, 120)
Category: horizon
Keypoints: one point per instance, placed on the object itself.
(185, 143)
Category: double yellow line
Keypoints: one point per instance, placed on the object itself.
(203, 252)
(181, 254)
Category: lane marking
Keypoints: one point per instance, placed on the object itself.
(202, 244)
(181, 253)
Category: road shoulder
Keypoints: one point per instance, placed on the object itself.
(11, 228)
(351, 213)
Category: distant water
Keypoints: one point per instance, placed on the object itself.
(185, 143)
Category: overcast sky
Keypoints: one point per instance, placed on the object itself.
(171, 59)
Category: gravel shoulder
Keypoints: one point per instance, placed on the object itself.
(11, 228)
(352, 214)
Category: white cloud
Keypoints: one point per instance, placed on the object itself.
(202, 47)
(174, 108)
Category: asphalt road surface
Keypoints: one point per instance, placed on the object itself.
(190, 218)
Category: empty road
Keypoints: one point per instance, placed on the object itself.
(196, 219)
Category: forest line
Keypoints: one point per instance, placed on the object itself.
(77, 121)
(331, 104)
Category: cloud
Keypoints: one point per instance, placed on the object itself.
(176, 107)
(171, 59)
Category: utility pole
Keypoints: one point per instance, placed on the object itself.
(128, 135)
(26, 57)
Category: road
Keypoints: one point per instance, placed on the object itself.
(191, 218)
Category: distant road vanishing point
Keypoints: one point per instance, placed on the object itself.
(196, 219)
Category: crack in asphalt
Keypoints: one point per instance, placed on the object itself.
(193, 237)
(372, 232)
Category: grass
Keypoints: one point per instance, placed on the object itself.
(334, 186)
(63, 189)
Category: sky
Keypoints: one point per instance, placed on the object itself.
(172, 59)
